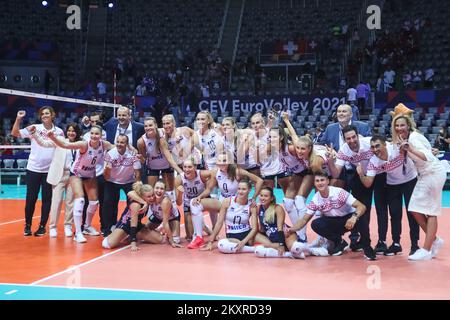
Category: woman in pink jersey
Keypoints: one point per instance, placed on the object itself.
(82, 174)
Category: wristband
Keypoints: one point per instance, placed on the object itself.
(133, 231)
(280, 237)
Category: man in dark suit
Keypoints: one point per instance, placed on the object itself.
(334, 138)
(123, 124)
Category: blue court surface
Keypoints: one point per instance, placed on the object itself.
(27, 292)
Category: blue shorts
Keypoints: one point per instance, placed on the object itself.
(156, 220)
(239, 236)
(157, 172)
(127, 226)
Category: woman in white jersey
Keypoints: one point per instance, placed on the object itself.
(179, 140)
(192, 183)
(159, 159)
(258, 139)
(207, 139)
(82, 175)
(241, 224)
(425, 203)
(165, 211)
(313, 158)
(226, 177)
(130, 223)
(37, 168)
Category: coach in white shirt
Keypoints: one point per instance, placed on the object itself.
(340, 211)
(37, 167)
(401, 178)
(122, 169)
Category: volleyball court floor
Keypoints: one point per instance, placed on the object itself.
(58, 268)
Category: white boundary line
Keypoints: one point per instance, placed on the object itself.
(153, 291)
(4, 223)
(81, 265)
(78, 266)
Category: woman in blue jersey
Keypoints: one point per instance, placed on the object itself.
(241, 223)
(271, 230)
(130, 222)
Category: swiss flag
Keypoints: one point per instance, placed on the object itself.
(290, 48)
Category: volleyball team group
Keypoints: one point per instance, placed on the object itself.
(226, 176)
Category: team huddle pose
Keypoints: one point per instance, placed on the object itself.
(213, 170)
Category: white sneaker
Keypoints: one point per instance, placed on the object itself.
(421, 254)
(79, 238)
(319, 252)
(437, 244)
(319, 242)
(68, 231)
(91, 231)
(53, 233)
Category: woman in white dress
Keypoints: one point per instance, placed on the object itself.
(425, 203)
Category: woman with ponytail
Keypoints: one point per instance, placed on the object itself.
(130, 222)
(271, 230)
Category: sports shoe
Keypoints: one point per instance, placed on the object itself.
(40, 232)
(53, 233)
(369, 253)
(381, 247)
(27, 231)
(79, 238)
(196, 243)
(437, 244)
(356, 246)
(319, 242)
(339, 248)
(68, 231)
(421, 254)
(393, 250)
(413, 250)
(319, 252)
(90, 231)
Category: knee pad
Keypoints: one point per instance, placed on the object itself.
(93, 203)
(226, 246)
(105, 244)
(260, 251)
(196, 210)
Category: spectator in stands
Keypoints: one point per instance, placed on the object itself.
(37, 167)
(204, 90)
(140, 90)
(101, 90)
(389, 77)
(429, 78)
(351, 96)
(442, 140)
(417, 79)
(362, 94)
(407, 79)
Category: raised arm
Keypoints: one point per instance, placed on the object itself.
(292, 133)
(259, 183)
(81, 145)
(16, 127)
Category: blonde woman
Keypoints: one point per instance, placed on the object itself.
(425, 202)
(130, 222)
(158, 157)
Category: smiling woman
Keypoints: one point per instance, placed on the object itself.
(38, 166)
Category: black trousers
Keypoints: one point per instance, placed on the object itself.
(395, 195)
(363, 195)
(361, 105)
(36, 180)
(111, 201)
(100, 193)
(381, 204)
(332, 228)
